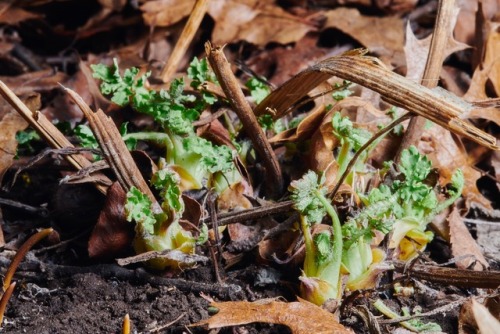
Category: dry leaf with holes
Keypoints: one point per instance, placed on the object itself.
(302, 317)
(463, 244)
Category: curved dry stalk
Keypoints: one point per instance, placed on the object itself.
(236, 98)
(436, 105)
(33, 240)
(4, 300)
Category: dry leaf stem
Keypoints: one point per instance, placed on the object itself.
(115, 151)
(442, 32)
(371, 73)
(451, 276)
(232, 90)
(192, 25)
(51, 135)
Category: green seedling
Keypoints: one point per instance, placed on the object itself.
(198, 162)
(321, 276)
(351, 140)
(409, 203)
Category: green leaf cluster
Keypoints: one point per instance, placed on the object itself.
(196, 158)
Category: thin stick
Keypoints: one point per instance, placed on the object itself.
(115, 151)
(192, 25)
(33, 240)
(5, 299)
(236, 98)
(363, 148)
(442, 32)
(50, 134)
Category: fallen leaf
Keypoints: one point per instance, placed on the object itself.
(301, 317)
(112, 234)
(10, 14)
(486, 322)
(463, 244)
(447, 154)
(11, 123)
(255, 21)
(382, 35)
(416, 51)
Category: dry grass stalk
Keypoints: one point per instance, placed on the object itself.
(4, 300)
(28, 244)
(192, 25)
(51, 135)
(115, 151)
(236, 98)
(443, 31)
(436, 105)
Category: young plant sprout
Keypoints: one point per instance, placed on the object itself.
(198, 162)
(321, 277)
(409, 203)
(351, 139)
(159, 229)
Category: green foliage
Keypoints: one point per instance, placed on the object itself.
(342, 91)
(138, 209)
(25, 139)
(199, 72)
(323, 260)
(175, 111)
(258, 89)
(304, 196)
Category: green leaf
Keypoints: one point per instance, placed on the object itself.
(344, 130)
(167, 181)
(323, 244)
(304, 195)
(414, 165)
(138, 209)
(258, 90)
(86, 136)
(213, 158)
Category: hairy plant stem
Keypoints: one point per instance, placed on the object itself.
(332, 270)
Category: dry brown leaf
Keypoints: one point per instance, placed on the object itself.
(301, 317)
(485, 321)
(305, 129)
(382, 35)
(116, 5)
(255, 21)
(447, 154)
(164, 13)
(112, 234)
(416, 51)
(463, 244)
(11, 122)
(14, 15)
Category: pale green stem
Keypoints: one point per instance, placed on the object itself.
(382, 308)
(309, 262)
(150, 136)
(331, 272)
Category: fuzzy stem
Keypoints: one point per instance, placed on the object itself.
(331, 272)
(309, 262)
